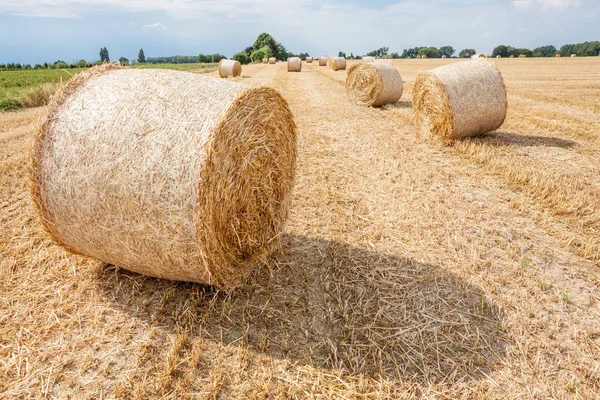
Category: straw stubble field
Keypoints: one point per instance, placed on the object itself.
(407, 267)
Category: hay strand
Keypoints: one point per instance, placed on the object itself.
(460, 100)
(229, 68)
(294, 64)
(374, 84)
(166, 173)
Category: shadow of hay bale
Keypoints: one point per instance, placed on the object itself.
(399, 105)
(500, 139)
(333, 306)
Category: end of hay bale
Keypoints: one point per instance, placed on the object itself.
(309, 60)
(374, 84)
(322, 61)
(460, 100)
(272, 60)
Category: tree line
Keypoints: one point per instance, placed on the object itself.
(265, 46)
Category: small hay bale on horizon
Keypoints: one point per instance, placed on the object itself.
(322, 61)
(294, 64)
(498, 56)
(557, 55)
(229, 68)
(272, 60)
(573, 55)
(478, 55)
(423, 57)
(374, 84)
(309, 60)
(265, 60)
(460, 100)
(174, 175)
(522, 56)
(444, 57)
(512, 56)
(337, 63)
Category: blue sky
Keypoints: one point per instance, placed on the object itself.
(35, 31)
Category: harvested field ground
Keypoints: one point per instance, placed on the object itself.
(408, 268)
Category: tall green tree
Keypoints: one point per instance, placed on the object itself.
(124, 61)
(467, 53)
(447, 51)
(266, 40)
(242, 57)
(429, 52)
(141, 56)
(104, 55)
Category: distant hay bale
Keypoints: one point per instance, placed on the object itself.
(272, 60)
(368, 59)
(522, 56)
(329, 61)
(265, 60)
(166, 173)
(374, 84)
(309, 60)
(294, 64)
(423, 57)
(388, 57)
(512, 56)
(498, 56)
(338, 63)
(229, 68)
(322, 61)
(444, 57)
(478, 55)
(461, 99)
(573, 55)
(557, 55)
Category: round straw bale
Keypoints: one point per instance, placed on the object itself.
(329, 61)
(368, 59)
(166, 173)
(338, 63)
(498, 56)
(512, 56)
(229, 68)
(322, 61)
(373, 84)
(573, 55)
(478, 55)
(461, 99)
(423, 56)
(557, 55)
(272, 60)
(309, 60)
(294, 64)
(444, 57)
(522, 56)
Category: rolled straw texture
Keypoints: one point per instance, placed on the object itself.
(294, 64)
(309, 60)
(165, 173)
(338, 63)
(322, 61)
(229, 68)
(373, 84)
(272, 60)
(265, 60)
(459, 100)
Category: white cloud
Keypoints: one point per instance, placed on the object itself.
(155, 25)
(523, 4)
(559, 3)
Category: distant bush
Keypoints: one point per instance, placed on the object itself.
(10, 104)
(242, 57)
(263, 52)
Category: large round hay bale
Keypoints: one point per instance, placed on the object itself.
(373, 84)
(265, 60)
(329, 61)
(322, 61)
(309, 60)
(229, 68)
(272, 60)
(338, 63)
(461, 99)
(294, 64)
(166, 173)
